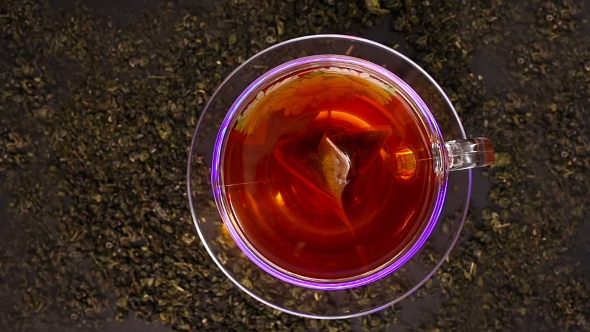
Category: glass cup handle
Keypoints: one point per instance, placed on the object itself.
(470, 153)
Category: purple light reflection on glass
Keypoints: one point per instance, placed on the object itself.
(225, 208)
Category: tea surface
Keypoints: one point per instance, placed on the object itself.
(328, 175)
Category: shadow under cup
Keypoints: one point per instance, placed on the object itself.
(246, 206)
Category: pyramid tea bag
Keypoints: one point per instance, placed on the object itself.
(327, 162)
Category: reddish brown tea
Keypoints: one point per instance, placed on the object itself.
(328, 174)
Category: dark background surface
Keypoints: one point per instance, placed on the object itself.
(486, 62)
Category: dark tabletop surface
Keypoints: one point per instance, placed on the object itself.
(548, 289)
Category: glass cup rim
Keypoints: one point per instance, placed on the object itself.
(428, 122)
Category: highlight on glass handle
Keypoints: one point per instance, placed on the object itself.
(470, 153)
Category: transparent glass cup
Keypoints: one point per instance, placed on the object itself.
(391, 281)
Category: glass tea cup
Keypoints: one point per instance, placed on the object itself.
(250, 236)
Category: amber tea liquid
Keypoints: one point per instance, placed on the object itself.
(328, 174)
